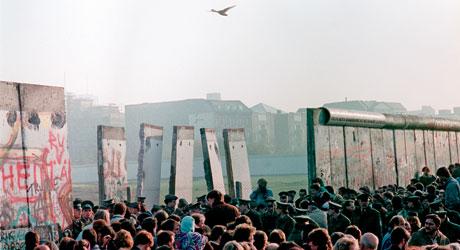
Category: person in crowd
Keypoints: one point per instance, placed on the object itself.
(353, 231)
(245, 209)
(171, 205)
(284, 222)
(32, 239)
(260, 240)
(347, 242)
(399, 238)
(319, 239)
(427, 178)
(368, 241)
(369, 218)
(119, 211)
(187, 238)
(451, 187)
(337, 222)
(302, 196)
(396, 221)
(316, 214)
(87, 212)
(269, 215)
(261, 193)
(244, 233)
(220, 212)
(143, 240)
(448, 228)
(277, 236)
(165, 238)
(429, 234)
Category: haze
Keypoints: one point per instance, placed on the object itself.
(288, 54)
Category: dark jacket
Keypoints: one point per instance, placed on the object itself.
(221, 214)
(421, 238)
(338, 224)
(450, 230)
(369, 221)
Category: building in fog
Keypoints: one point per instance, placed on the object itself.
(200, 113)
(291, 132)
(83, 116)
(263, 128)
(369, 106)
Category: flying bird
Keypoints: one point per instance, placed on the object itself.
(223, 12)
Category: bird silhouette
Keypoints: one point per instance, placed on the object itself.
(223, 12)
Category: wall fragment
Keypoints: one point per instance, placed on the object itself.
(212, 164)
(181, 179)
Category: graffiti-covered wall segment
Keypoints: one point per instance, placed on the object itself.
(35, 169)
(113, 178)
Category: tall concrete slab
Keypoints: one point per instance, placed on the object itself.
(337, 151)
(365, 156)
(428, 136)
(401, 158)
(411, 158)
(212, 164)
(323, 156)
(441, 146)
(149, 163)
(112, 168)
(237, 162)
(390, 158)
(181, 179)
(453, 147)
(420, 159)
(14, 176)
(378, 158)
(354, 177)
(35, 183)
(46, 154)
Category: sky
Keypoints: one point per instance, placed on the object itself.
(288, 54)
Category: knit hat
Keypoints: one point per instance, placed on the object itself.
(187, 224)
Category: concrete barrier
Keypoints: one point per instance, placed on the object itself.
(111, 157)
(149, 163)
(35, 168)
(354, 149)
(181, 179)
(237, 162)
(212, 164)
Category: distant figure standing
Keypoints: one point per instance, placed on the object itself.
(427, 178)
(261, 193)
(220, 212)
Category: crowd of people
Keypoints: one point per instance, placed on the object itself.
(423, 215)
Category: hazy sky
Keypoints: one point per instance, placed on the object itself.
(286, 53)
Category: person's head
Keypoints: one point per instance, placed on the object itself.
(289, 245)
(443, 173)
(82, 245)
(170, 225)
(260, 240)
(315, 189)
(319, 239)
(160, 216)
(244, 233)
(399, 236)
(334, 208)
(123, 239)
(396, 220)
(262, 183)
(216, 233)
(414, 223)
(214, 196)
(302, 193)
(66, 243)
(87, 212)
(104, 231)
(150, 225)
(347, 242)
(277, 236)
(187, 224)
(32, 239)
(426, 170)
(102, 214)
(143, 240)
(171, 201)
(335, 236)
(200, 220)
(165, 238)
(119, 209)
(232, 245)
(349, 205)
(353, 231)
(272, 246)
(363, 200)
(243, 219)
(90, 235)
(369, 242)
(77, 210)
(432, 223)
